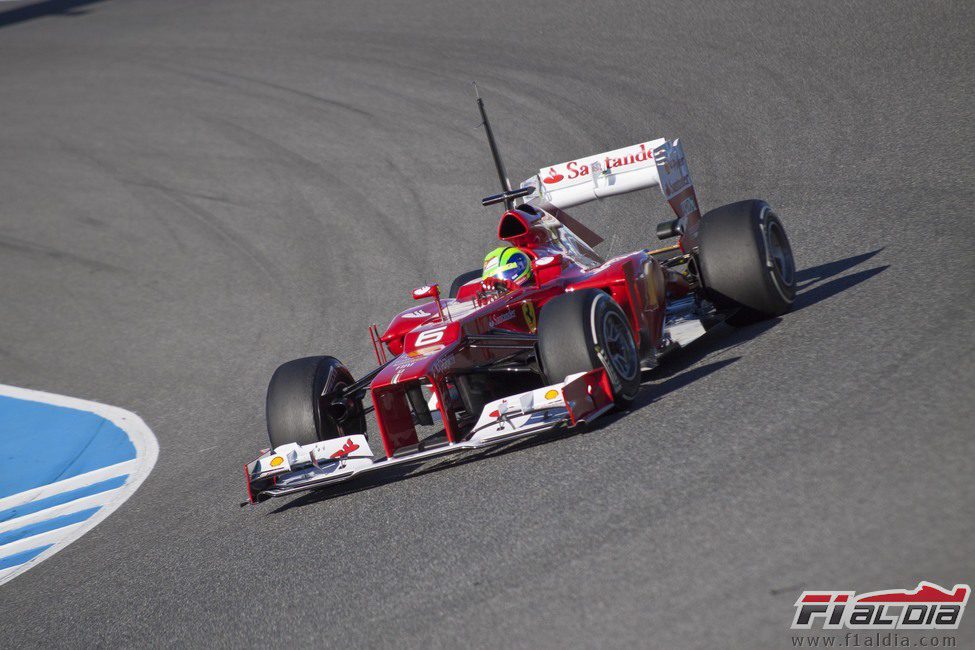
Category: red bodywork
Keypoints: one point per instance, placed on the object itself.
(432, 347)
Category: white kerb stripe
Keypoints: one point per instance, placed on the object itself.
(73, 483)
(49, 537)
(71, 507)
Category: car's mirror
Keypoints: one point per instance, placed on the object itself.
(428, 291)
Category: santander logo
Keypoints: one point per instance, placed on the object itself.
(553, 177)
(606, 163)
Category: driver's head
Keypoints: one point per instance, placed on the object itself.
(507, 265)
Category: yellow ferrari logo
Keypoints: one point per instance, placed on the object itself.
(528, 311)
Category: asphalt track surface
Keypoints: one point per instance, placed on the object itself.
(193, 192)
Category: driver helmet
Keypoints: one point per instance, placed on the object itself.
(507, 265)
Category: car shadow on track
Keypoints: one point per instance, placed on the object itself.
(679, 370)
(44, 9)
(814, 274)
(813, 288)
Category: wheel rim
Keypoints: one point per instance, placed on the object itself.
(340, 413)
(619, 345)
(780, 253)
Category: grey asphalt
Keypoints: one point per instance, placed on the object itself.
(192, 192)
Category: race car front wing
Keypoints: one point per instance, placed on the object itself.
(292, 468)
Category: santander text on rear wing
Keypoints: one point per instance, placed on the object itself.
(656, 163)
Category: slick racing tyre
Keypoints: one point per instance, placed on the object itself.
(571, 326)
(461, 280)
(746, 261)
(301, 404)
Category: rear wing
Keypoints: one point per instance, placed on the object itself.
(656, 163)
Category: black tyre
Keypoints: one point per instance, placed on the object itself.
(570, 327)
(300, 403)
(461, 280)
(746, 261)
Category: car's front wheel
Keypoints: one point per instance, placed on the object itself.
(572, 331)
(303, 404)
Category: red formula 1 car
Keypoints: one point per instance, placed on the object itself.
(561, 344)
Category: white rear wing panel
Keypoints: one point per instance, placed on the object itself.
(656, 163)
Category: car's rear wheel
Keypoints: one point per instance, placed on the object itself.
(573, 325)
(302, 404)
(746, 261)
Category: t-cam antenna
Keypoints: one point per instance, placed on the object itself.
(498, 163)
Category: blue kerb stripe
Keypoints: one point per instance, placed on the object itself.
(23, 556)
(47, 525)
(42, 443)
(64, 497)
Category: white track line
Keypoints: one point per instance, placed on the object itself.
(9, 570)
(146, 453)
